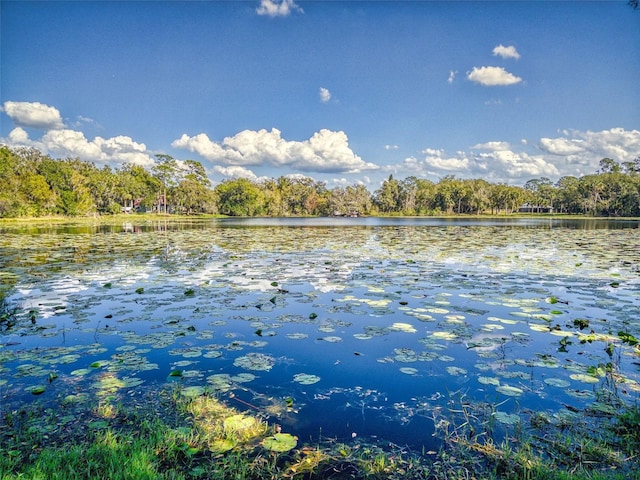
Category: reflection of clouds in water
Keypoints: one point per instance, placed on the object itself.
(483, 289)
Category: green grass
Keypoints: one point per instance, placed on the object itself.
(175, 437)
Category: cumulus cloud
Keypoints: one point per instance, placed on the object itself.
(235, 172)
(497, 163)
(436, 160)
(562, 146)
(492, 76)
(276, 8)
(573, 152)
(325, 94)
(495, 146)
(62, 141)
(72, 143)
(34, 115)
(102, 150)
(325, 151)
(19, 137)
(519, 165)
(506, 52)
(617, 143)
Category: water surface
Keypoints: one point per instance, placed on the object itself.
(332, 327)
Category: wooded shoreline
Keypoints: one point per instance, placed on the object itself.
(38, 186)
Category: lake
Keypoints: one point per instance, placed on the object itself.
(331, 327)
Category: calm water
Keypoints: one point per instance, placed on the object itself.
(330, 327)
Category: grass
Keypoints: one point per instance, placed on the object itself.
(174, 437)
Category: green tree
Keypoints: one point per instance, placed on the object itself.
(591, 188)
(103, 184)
(542, 192)
(569, 199)
(36, 194)
(632, 167)
(193, 194)
(166, 171)
(137, 187)
(608, 165)
(239, 197)
(303, 196)
(72, 193)
(273, 201)
(388, 198)
(10, 179)
(352, 200)
(424, 196)
(478, 200)
(451, 195)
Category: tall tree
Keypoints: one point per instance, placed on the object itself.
(193, 193)
(388, 197)
(166, 171)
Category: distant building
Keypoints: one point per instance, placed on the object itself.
(529, 208)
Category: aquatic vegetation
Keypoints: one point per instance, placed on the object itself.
(305, 379)
(280, 442)
(510, 318)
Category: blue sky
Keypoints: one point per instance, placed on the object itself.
(343, 92)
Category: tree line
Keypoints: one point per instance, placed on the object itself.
(34, 184)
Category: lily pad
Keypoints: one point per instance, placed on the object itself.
(297, 336)
(239, 423)
(583, 377)
(403, 327)
(192, 392)
(509, 390)
(36, 390)
(489, 380)
(331, 339)
(557, 382)
(409, 370)
(243, 377)
(280, 442)
(506, 418)
(220, 382)
(222, 445)
(306, 379)
(255, 361)
(455, 371)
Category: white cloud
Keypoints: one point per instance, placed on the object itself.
(497, 164)
(33, 114)
(492, 76)
(576, 146)
(519, 165)
(435, 160)
(574, 153)
(297, 176)
(19, 136)
(325, 151)
(506, 52)
(235, 172)
(325, 94)
(391, 147)
(276, 8)
(495, 146)
(72, 143)
(561, 146)
(452, 76)
(121, 149)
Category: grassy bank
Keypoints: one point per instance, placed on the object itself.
(170, 436)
